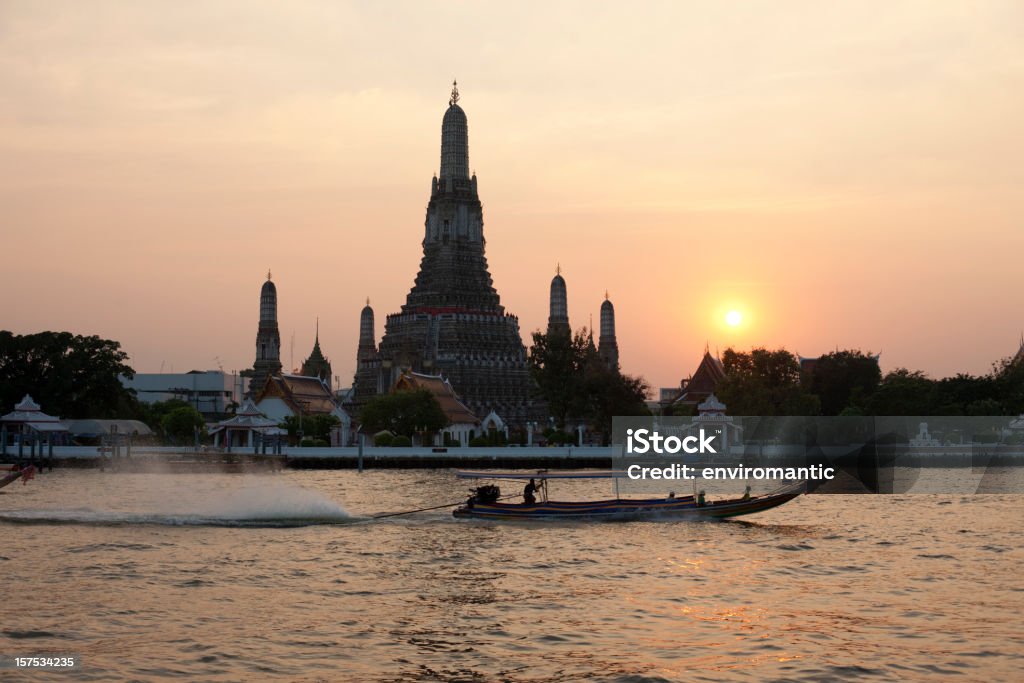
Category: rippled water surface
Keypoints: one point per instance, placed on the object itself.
(284, 577)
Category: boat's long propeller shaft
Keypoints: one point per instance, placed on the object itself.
(436, 507)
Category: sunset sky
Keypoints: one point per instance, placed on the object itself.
(842, 174)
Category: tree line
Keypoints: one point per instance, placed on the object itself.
(79, 376)
(850, 382)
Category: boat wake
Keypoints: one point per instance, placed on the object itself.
(259, 506)
(106, 518)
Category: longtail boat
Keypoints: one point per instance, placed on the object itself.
(24, 473)
(485, 502)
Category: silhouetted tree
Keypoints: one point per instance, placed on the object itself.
(556, 364)
(578, 384)
(765, 383)
(904, 392)
(69, 375)
(844, 379)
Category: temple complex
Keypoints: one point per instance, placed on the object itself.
(452, 324)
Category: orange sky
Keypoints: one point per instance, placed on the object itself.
(844, 174)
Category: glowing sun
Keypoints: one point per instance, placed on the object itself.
(733, 318)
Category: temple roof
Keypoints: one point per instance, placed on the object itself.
(308, 395)
(248, 417)
(316, 355)
(93, 428)
(703, 381)
(28, 411)
(711, 404)
(442, 391)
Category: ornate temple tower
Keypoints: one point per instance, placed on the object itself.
(608, 347)
(453, 322)
(316, 365)
(366, 383)
(268, 340)
(558, 312)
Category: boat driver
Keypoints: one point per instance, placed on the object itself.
(528, 493)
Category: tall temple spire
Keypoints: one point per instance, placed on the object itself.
(452, 322)
(366, 383)
(608, 346)
(367, 337)
(558, 310)
(268, 339)
(454, 141)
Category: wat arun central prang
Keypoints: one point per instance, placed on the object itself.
(452, 323)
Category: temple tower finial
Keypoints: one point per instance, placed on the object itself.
(268, 273)
(454, 99)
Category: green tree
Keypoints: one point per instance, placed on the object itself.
(765, 383)
(844, 379)
(180, 425)
(403, 413)
(153, 413)
(72, 376)
(315, 427)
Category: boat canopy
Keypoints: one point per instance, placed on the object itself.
(539, 474)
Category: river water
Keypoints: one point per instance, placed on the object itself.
(283, 577)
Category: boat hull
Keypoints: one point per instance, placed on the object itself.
(15, 475)
(627, 509)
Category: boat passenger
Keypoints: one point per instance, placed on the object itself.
(746, 494)
(700, 499)
(528, 493)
